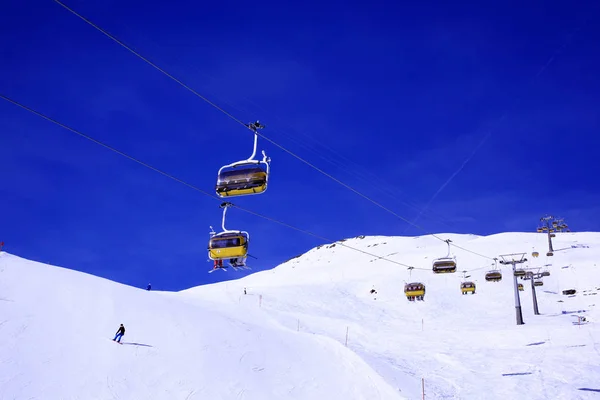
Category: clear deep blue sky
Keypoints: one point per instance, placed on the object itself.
(390, 98)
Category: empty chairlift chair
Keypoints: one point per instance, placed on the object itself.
(520, 272)
(445, 264)
(245, 177)
(493, 276)
(241, 180)
(467, 287)
(414, 291)
(538, 282)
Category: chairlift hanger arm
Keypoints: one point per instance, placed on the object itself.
(266, 160)
(448, 243)
(225, 205)
(254, 128)
(224, 213)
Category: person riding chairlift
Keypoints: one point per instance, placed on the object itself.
(218, 264)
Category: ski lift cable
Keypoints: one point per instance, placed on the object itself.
(189, 185)
(259, 134)
(421, 211)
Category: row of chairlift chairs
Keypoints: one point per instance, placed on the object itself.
(443, 265)
(241, 178)
(416, 290)
(251, 176)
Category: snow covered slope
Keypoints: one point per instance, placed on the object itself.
(56, 327)
(462, 346)
(310, 329)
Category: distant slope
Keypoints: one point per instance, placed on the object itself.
(464, 347)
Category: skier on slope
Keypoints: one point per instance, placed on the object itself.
(120, 333)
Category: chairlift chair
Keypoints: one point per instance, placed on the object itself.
(538, 283)
(520, 272)
(467, 287)
(414, 290)
(493, 276)
(444, 264)
(245, 177)
(229, 244)
(520, 287)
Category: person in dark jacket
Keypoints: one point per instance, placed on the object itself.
(149, 287)
(120, 334)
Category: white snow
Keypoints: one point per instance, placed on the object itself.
(286, 338)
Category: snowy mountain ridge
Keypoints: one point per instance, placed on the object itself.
(312, 329)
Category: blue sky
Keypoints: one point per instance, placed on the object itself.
(390, 98)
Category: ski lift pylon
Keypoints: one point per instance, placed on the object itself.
(245, 177)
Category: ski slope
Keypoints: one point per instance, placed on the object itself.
(310, 329)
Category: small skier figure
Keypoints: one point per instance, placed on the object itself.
(244, 290)
(120, 334)
(149, 287)
(374, 293)
(1, 245)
